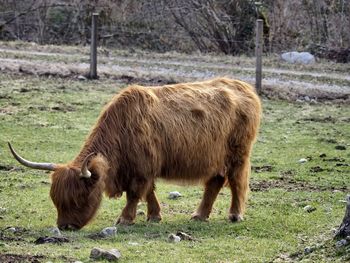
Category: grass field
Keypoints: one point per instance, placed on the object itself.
(47, 119)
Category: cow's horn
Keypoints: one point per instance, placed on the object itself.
(40, 166)
(84, 170)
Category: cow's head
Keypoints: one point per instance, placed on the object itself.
(75, 191)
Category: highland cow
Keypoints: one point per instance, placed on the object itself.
(200, 132)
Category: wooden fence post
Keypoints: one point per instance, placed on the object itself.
(258, 54)
(93, 47)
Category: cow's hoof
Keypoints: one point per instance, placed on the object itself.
(154, 219)
(124, 221)
(235, 218)
(198, 217)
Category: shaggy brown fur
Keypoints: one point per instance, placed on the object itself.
(199, 132)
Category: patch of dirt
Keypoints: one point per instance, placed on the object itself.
(9, 168)
(12, 235)
(55, 240)
(293, 92)
(340, 147)
(263, 168)
(328, 140)
(342, 164)
(63, 108)
(334, 159)
(60, 108)
(290, 185)
(6, 97)
(14, 258)
(6, 167)
(321, 119)
(9, 110)
(316, 169)
(7, 238)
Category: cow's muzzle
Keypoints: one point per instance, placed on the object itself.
(68, 227)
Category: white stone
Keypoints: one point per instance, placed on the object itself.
(309, 208)
(341, 243)
(11, 229)
(110, 255)
(313, 101)
(174, 195)
(109, 231)
(298, 57)
(55, 231)
(174, 238)
(308, 250)
(82, 78)
(140, 212)
(302, 160)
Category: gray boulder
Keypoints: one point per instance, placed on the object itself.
(101, 254)
(298, 57)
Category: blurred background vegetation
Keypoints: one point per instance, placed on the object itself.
(223, 26)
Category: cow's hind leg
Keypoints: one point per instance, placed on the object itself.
(153, 207)
(211, 190)
(238, 178)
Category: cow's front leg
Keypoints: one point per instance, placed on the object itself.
(138, 186)
(129, 212)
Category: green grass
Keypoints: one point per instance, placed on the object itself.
(47, 119)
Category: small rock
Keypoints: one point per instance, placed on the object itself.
(341, 243)
(299, 101)
(308, 250)
(340, 147)
(55, 231)
(307, 98)
(46, 239)
(302, 160)
(334, 230)
(174, 195)
(100, 254)
(109, 231)
(140, 212)
(184, 236)
(11, 229)
(313, 101)
(174, 238)
(82, 78)
(298, 57)
(309, 208)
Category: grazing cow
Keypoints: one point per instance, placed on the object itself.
(199, 132)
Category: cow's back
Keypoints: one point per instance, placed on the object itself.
(193, 122)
